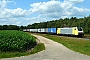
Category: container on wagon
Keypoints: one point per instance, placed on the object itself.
(35, 30)
(52, 30)
(43, 30)
(39, 30)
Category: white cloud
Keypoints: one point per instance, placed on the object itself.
(76, 1)
(79, 11)
(9, 16)
(57, 9)
(35, 19)
(53, 9)
(9, 13)
(46, 8)
(3, 3)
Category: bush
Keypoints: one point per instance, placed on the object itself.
(12, 40)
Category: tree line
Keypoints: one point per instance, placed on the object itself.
(12, 27)
(67, 22)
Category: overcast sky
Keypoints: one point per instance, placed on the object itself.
(24, 12)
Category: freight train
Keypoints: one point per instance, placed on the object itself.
(71, 31)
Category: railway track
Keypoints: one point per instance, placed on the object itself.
(73, 37)
(87, 37)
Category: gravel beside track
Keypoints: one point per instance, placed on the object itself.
(53, 51)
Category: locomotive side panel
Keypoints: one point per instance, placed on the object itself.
(66, 31)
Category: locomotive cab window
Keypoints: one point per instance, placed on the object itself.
(79, 29)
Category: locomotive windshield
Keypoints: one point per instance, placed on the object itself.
(79, 29)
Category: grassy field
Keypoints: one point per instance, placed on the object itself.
(78, 45)
(17, 43)
(36, 49)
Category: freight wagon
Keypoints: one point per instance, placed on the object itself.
(52, 30)
(26, 29)
(43, 30)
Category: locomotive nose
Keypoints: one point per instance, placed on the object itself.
(80, 33)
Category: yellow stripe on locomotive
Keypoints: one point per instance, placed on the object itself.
(58, 30)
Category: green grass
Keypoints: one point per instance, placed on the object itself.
(78, 45)
(36, 49)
